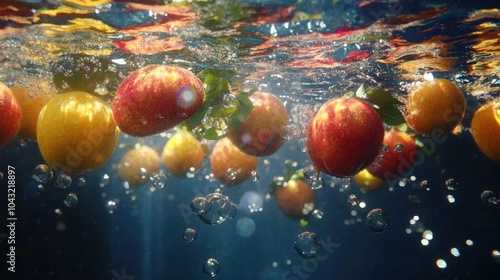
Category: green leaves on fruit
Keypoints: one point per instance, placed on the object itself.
(220, 108)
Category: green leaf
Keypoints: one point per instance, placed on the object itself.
(381, 98)
(245, 106)
(212, 134)
(390, 115)
(349, 94)
(298, 175)
(361, 92)
(385, 105)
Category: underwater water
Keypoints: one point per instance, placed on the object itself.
(439, 221)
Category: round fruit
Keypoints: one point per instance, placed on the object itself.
(156, 98)
(435, 106)
(76, 132)
(344, 137)
(485, 129)
(183, 154)
(260, 133)
(398, 159)
(367, 181)
(32, 99)
(230, 165)
(137, 165)
(10, 115)
(296, 200)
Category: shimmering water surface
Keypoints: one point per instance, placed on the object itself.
(441, 221)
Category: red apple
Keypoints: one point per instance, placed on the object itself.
(260, 133)
(398, 159)
(156, 98)
(10, 115)
(226, 156)
(344, 137)
(296, 200)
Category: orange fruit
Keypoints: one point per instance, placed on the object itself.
(137, 165)
(296, 200)
(10, 115)
(485, 129)
(226, 156)
(76, 132)
(183, 154)
(32, 99)
(367, 181)
(435, 106)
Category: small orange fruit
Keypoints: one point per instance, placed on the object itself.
(296, 200)
(435, 106)
(226, 156)
(137, 165)
(183, 154)
(485, 129)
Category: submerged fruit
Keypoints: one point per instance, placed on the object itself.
(32, 99)
(183, 154)
(138, 165)
(367, 181)
(156, 98)
(10, 115)
(260, 133)
(230, 165)
(398, 157)
(344, 137)
(296, 200)
(76, 132)
(485, 129)
(435, 106)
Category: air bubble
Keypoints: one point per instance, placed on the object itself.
(377, 220)
(318, 214)
(254, 175)
(310, 172)
(231, 173)
(199, 205)
(63, 181)
(211, 267)
(110, 206)
(451, 184)
(159, 180)
(398, 148)
(307, 245)
(352, 200)
(290, 132)
(190, 235)
(490, 198)
(384, 149)
(42, 173)
(71, 200)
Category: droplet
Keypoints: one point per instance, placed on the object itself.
(352, 200)
(231, 173)
(377, 220)
(110, 206)
(71, 200)
(199, 205)
(451, 184)
(190, 235)
(455, 252)
(318, 214)
(254, 175)
(211, 267)
(63, 181)
(307, 245)
(228, 210)
(384, 148)
(81, 182)
(290, 132)
(451, 198)
(310, 172)
(441, 263)
(143, 173)
(58, 212)
(398, 148)
(159, 180)
(42, 173)
(490, 198)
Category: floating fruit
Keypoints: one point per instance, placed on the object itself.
(183, 154)
(156, 98)
(485, 129)
(230, 165)
(296, 200)
(344, 136)
(10, 115)
(436, 106)
(367, 181)
(260, 133)
(138, 165)
(397, 155)
(76, 132)
(32, 99)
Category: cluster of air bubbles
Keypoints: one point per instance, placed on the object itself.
(377, 220)
(308, 245)
(213, 209)
(451, 184)
(489, 198)
(211, 267)
(63, 181)
(71, 200)
(42, 173)
(159, 180)
(308, 208)
(111, 206)
(189, 235)
(291, 132)
(310, 172)
(427, 236)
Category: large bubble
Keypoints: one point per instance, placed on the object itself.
(307, 245)
(377, 220)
